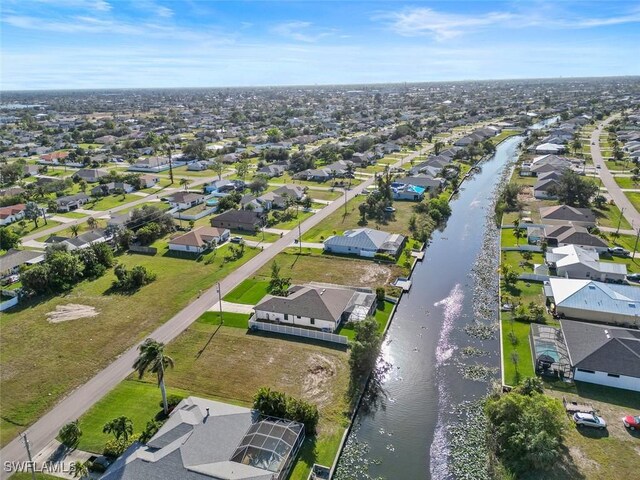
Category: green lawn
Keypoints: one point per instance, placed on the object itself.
(325, 194)
(338, 222)
(504, 135)
(230, 319)
(30, 229)
(508, 238)
(249, 292)
(72, 215)
(627, 182)
(140, 401)
(609, 216)
(293, 223)
(634, 197)
(516, 261)
(522, 348)
(382, 315)
(31, 384)
(112, 201)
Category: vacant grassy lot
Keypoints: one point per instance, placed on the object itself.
(517, 261)
(69, 353)
(249, 292)
(504, 135)
(338, 221)
(112, 201)
(229, 319)
(325, 194)
(30, 228)
(290, 224)
(313, 266)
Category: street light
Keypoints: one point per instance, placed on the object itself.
(220, 301)
(27, 446)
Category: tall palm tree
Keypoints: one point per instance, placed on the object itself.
(153, 359)
(74, 229)
(184, 182)
(92, 223)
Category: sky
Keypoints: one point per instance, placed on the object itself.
(78, 44)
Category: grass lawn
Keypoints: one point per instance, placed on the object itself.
(325, 194)
(314, 266)
(140, 401)
(112, 201)
(27, 476)
(249, 292)
(522, 348)
(230, 319)
(627, 182)
(609, 216)
(30, 229)
(519, 264)
(31, 384)
(504, 135)
(293, 223)
(83, 228)
(71, 215)
(634, 197)
(214, 362)
(508, 238)
(338, 222)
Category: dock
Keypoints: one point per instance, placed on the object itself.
(419, 254)
(403, 283)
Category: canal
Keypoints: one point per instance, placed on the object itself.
(442, 349)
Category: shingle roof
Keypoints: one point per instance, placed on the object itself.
(596, 296)
(14, 258)
(603, 348)
(570, 214)
(366, 239)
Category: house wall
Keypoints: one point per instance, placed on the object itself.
(603, 378)
(319, 324)
(185, 248)
(542, 194)
(12, 218)
(587, 247)
(599, 317)
(247, 227)
(344, 250)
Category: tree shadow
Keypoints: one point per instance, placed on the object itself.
(593, 433)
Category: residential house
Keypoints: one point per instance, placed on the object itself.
(206, 440)
(323, 307)
(244, 220)
(148, 181)
(430, 184)
(199, 166)
(275, 170)
(111, 187)
(71, 202)
(90, 175)
(12, 213)
(550, 148)
(563, 214)
(199, 239)
(81, 241)
(563, 235)
(594, 301)
(603, 354)
(11, 261)
(365, 242)
(363, 159)
(572, 261)
(407, 192)
(150, 164)
(545, 187)
(220, 186)
(185, 200)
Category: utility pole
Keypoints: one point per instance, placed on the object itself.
(299, 238)
(345, 201)
(27, 446)
(220, 301)
(635, 246)
(619, 221)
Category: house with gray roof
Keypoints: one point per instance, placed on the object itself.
(323, 307)
(563, 214)
(71, 202)
(205, 439)
(561, 235)
(572, 261)
(593, 301)
(602, 354)
(365, 242)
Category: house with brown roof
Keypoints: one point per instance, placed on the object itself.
(245, 220)
(12, 213)
(564, 214)
(199, 239)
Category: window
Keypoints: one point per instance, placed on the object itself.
(613, 375)
(286, 316)
(312, 321)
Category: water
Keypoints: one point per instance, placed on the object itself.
(453, 304)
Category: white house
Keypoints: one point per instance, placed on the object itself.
(317, 306)
(199, 239)
(572, 261)
(12, 213)
(602, 354)
(185, 200)
(365, 242)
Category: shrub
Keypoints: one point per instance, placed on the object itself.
(380, 294)
(277, 404)
(172, 401)
(70, 434)
(116, 447)
(150, 430)
(130, 280)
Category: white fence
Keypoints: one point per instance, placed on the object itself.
(533, 277)
(298, 332)
(522, 248)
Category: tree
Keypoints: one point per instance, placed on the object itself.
(274, 135)
(508, 199)
(32, 212)
(184, 182)
(258, 185)
(81, 469)
(131, 280)
(509, 275)
(70, 434)
(8, 238)
(277, 404)
(121, 427)
(437, 147)
(92, 223)
(153, 359)
(599, 201)
(577, 146)
(527, 429)
(196, 149)
(217, 167)
(364, 348)
(278, 285)
(574, 190)
(75, 228)
(242, 168)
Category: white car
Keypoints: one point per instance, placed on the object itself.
(589, 420)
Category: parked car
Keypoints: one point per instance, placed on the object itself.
(589, 420)
(631, 422)
(633, 277)
(619, 251)
(236, 240)
(389, 209)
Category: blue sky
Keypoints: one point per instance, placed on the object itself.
(53, 44)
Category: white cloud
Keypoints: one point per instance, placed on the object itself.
(299, 31)
(97, 5)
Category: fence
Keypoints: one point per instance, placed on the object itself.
(533, 277)
(142, 249)
(297, 332)
(522, 248)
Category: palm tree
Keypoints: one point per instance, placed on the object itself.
(80, 470)
(184, 182)
(74, 229)
(153, 359)
(166, 146)
(120, 427)
(437, 146)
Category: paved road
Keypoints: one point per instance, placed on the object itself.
(81, 399)
(616, 193)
